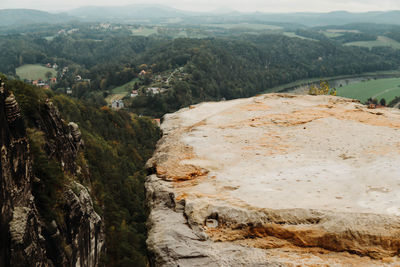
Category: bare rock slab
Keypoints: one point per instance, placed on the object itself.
(277, 179)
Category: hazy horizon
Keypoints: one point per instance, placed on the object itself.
(268, 6)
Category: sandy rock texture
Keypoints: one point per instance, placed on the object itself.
(276, 180)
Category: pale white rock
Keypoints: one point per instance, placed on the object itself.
(276, 179)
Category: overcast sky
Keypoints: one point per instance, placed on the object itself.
(209, 5)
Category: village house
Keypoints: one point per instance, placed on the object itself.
(39, 83)
(104, 25)
(117, 104)
(134, 93)
(142, 73)
(73, 30)
(53, 80)
(69, 91)
(153, 90)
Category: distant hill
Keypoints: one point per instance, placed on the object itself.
(165, 14)
(337, 18)
(14, 17)
(158, 13)
(129, 12)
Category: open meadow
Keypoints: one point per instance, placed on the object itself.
(34, 72)
(381, 41)
(380, 88)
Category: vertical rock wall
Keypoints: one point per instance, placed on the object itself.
(21, 240)
(25, 239)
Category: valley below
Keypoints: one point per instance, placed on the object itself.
(276, 180)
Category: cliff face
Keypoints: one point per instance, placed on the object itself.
(276, 180)
(26, 238)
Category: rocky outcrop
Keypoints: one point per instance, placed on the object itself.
(63, 140)
(276, 180)
(84, 226)
(21, 239)
(26, 239)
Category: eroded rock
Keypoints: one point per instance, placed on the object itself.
(26, 239)
(279, 179)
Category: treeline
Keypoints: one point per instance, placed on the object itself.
(16, 50)
(250, 64)
(237, 66)
(217, 68)
(117, 145)
(348, 37)
(363, 31)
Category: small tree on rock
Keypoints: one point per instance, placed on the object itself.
(321, 89)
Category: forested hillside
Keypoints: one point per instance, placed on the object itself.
(116, 147)
(247, 65)
(213, 68)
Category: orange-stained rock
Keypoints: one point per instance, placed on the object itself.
(277, 180)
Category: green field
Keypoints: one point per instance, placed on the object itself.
(381, 41)
(342, 31)
(250, 26)
(121, 91)
(34, 72)
(125, 88)
(380, 88)
(144, 31)
(292, 34)
(331, 34)
(305, 82)
(112, 97)
(49, 38)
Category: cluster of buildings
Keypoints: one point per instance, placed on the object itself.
(52, 66)
(160, 79)
(42, 83)
(177, 74)
(149, 90)
(155, 90)
(66, 32)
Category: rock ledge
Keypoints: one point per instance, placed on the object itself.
(276, 180)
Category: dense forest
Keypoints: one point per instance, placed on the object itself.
(215, 68)
(251, 64)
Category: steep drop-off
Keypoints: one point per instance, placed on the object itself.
(27, 237)
(276, 180)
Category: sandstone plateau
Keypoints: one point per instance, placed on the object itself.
(276, 180)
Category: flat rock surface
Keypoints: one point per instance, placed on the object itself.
(305, 179)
